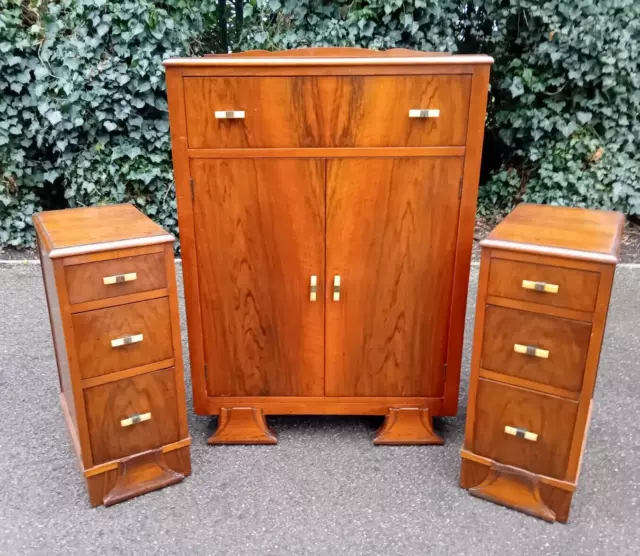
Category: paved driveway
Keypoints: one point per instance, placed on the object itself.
(323, 490)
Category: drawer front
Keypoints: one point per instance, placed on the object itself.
(562, 346)
(576, 289)
(548, 421)
(104, 279)
(132, 415)
(141, 333)
(361, 111)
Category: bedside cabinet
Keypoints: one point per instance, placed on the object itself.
(545, 280)
(111, 290)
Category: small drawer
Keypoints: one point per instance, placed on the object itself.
(550, 285)
(115, 277)
(360, 111)
(122, 337)
(526, 429)
(557, 347)
(132, 415)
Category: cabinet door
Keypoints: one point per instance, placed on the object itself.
(391, 237)
(260, 231)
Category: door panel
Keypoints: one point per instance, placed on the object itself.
(260, 236)
(391, 236)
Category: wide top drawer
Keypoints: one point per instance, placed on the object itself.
(549, 285)
(355, 111)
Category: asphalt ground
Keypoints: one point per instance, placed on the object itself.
(324, 489)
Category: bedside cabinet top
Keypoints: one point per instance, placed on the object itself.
(576, 233)
(80, 231)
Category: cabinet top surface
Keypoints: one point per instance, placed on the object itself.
(331, 57)
(577, 233)
(92, 229)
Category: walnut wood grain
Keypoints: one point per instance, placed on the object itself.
(407, 425)
(574, 233)
(260, 225)
(94, 331)
(85, 281)
(242, 425)
(387, 230)
(359, 111)
(110, 403)
(551, 418)
(566, 341)
(577, 289)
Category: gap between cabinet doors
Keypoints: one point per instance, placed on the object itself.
(361, 354)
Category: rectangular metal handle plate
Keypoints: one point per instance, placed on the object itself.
(336, 287)
(540, 286)
(424, 113)
(135, 419)
(126, 340)
(521, 433)
(120, 278)
(532, 351)
(313, 288)
(229, 114)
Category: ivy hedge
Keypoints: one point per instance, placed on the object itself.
(83, 114)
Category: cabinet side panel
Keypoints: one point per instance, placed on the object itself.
(57, 332)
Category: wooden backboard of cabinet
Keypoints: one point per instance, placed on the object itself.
(326, 200)
(111, 291)
(546, 275)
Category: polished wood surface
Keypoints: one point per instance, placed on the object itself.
(101, 385)
(407, 425)
(565, 340)
(551, 418)
(260, 225)
(326, 132)
(242, 425)
(362, 111)
(577, 289)
(109, 404)
(94, 331)
(386, 232)
(563, 231)
(85, 282)
(91, 229)
(544, 396)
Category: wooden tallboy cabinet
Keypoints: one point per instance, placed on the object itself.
(326, 202)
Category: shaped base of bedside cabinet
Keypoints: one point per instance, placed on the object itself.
(516, 489)
(242, 425)
(407, 425)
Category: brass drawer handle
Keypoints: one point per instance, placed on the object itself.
(336, 287)
(540, 286)
(313, 288)
(119, 278)
(424, 113)
(126, 340)
(135, 419)
(229, 114)
(531, 351)
(521, 433)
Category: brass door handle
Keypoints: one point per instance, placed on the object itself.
(313, 288)
(135, 419)
(424, 113)
(126, 340)
(540, 286)
(119, 278)
(531, 351)
(521, 433)
(336, 287)
(229, 114)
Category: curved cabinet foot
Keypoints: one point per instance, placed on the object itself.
(407, 425)
(242, 425)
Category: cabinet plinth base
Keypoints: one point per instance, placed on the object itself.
(140, 474)
(407, 425)
(242, 425)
